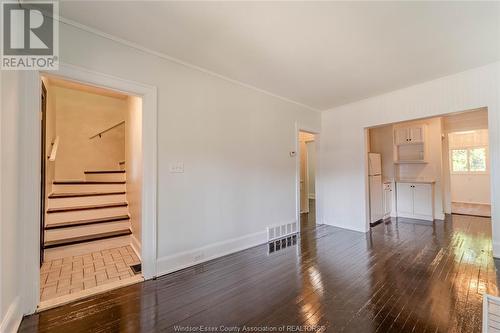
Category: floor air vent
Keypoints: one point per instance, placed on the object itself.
(283, 243)
(280, 231)
(281, 236)
(137, 269)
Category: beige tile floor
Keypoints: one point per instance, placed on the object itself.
(70, 275)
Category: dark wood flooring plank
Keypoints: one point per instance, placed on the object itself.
(402, 276)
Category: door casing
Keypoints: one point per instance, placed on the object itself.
(31, 166)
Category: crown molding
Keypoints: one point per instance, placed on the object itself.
(177, 61)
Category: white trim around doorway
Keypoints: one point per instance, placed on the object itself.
(30, 163)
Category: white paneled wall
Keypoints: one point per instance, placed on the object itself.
(342, 197)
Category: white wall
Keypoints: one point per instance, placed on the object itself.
(342, 157)
(80, 115)
(470, 188)
(234, 142)
(11, 249)
(133, 166)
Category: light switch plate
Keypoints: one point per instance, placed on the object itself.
(177, 167)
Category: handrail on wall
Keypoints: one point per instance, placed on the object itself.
(53, 152)
(107, 129)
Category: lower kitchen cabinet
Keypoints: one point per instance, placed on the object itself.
(415, 200)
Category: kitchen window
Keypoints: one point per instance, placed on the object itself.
(470, 160)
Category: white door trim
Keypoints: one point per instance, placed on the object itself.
(30, 180)
(303, 128)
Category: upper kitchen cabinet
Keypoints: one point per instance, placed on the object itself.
(409, 144)
(409, 135)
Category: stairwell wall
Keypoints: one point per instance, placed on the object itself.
(50, 136)
(80, 115)
(133, 167)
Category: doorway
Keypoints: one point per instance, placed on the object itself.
(307, 179)
(430, 168)
(466, 161)
(91, 168)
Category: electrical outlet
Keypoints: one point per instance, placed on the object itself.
(198, 256)
(177, 167)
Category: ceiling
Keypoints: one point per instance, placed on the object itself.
(321, 54)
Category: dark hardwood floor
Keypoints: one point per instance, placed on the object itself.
(308, 220)
(403, 276)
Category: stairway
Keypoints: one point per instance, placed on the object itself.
(87, 211)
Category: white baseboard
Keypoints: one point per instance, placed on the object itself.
(496, 250)
(185, 259)
(346, 227)
(136, 245)
(439, 216)
(417, 217)
(13, 317)
(472, 203)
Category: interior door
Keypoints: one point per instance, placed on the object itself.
(422, 202)
(43, 161)
(304, 191)
(405, 198)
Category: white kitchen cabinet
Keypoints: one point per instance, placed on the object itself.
(415, 200)
(409, 135)
(416, 134)
(422, 200)
(401, 136)
(404, 196)
(409, 144)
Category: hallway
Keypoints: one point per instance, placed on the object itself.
(404, 275)
(308, 220)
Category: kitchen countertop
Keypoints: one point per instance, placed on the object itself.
(416, 180)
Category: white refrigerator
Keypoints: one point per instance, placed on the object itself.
(376, 188)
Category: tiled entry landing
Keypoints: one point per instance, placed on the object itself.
(73, 275)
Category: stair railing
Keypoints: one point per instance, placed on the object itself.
(53, 152)
(99, 134)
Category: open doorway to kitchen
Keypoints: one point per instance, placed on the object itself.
(91, 191)
(307, 179)
(429, 169)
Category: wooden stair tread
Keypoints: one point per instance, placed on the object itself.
(85, 230)
(86, 182)
(86, 238)
(89, 207)
(66, 224)
(104, 171)
(83, 194)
